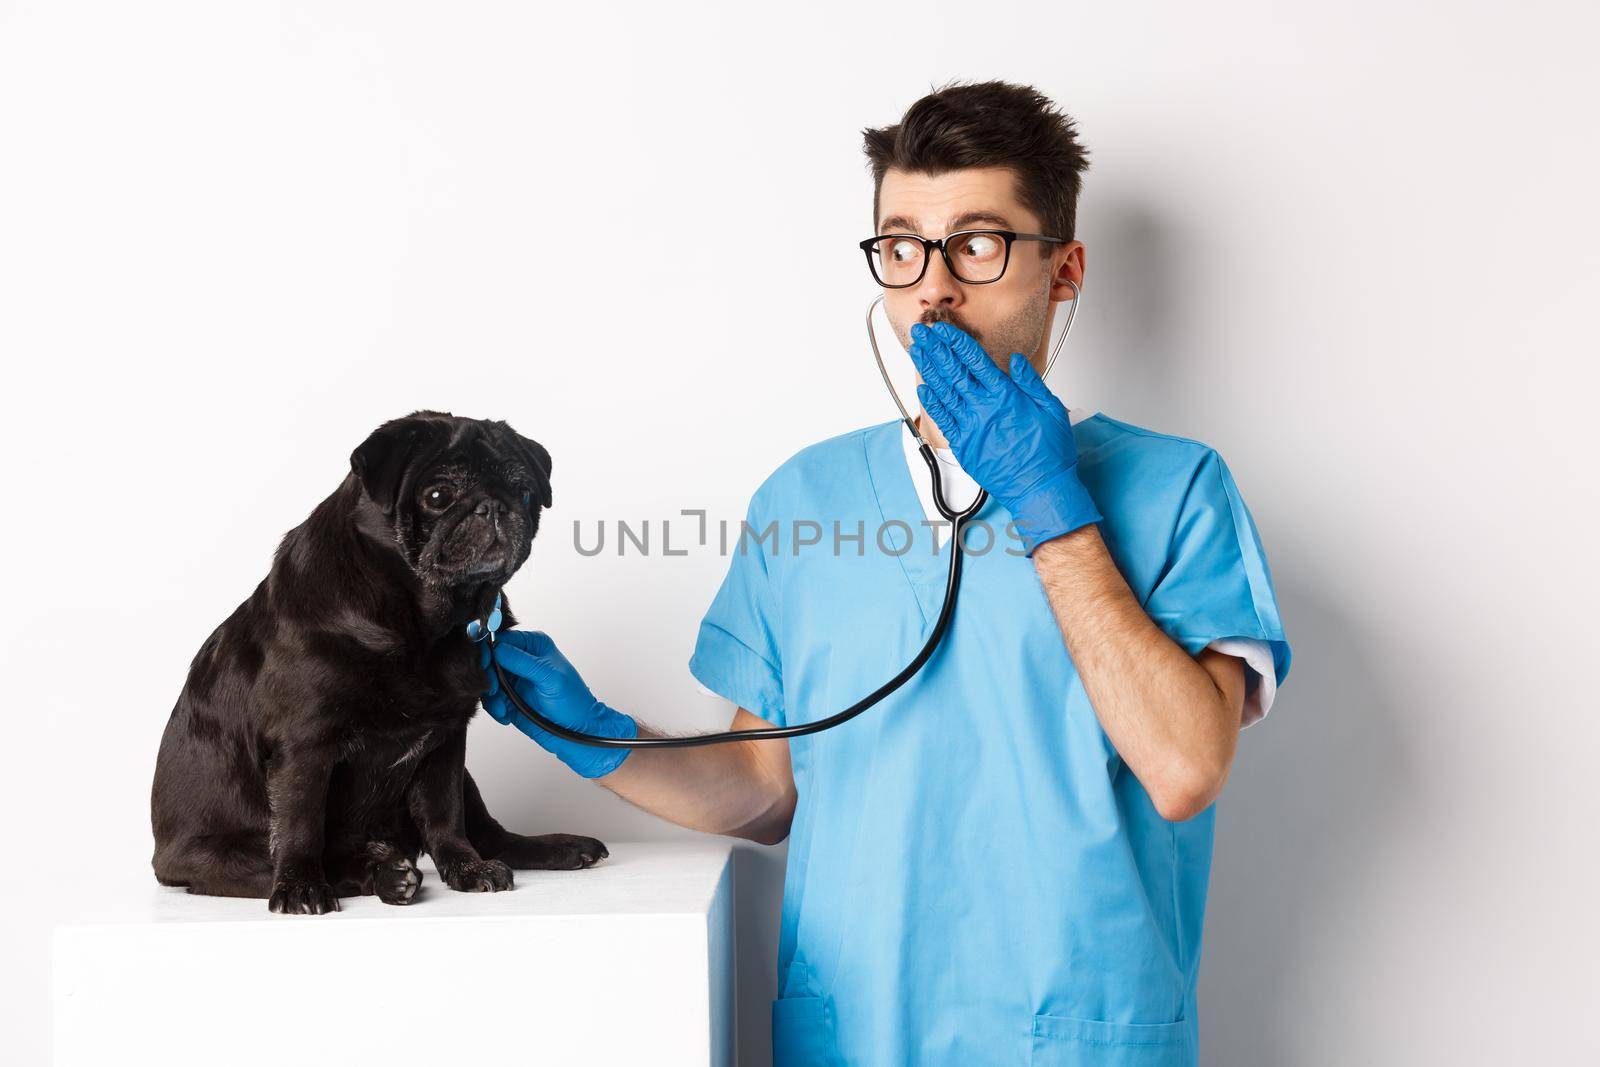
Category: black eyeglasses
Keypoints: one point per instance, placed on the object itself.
(899, 260)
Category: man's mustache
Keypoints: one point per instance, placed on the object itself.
(940, 314)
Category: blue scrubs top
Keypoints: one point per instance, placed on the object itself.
(974, 876)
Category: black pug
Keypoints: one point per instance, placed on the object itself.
(319, 743)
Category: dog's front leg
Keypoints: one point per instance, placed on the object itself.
(435, 802)
(297, 796)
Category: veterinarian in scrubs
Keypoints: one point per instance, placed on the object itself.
(1006, 861)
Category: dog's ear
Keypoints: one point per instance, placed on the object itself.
(380, 462)
(534, 456)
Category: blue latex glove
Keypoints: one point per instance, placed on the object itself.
(548, 683)
(1011, 434)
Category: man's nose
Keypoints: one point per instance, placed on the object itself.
(938, 287)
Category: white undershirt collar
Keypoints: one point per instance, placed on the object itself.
(959, 488)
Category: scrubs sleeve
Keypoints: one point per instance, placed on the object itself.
(736, 652)
(1216, 584)
(1260, 675)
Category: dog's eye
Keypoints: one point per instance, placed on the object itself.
(527, 497)
(438, 497)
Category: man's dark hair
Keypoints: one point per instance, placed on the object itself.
(989, 124)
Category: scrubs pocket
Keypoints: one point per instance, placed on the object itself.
(1060, 1041)
(802, 1032)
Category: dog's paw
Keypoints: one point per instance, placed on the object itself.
(298, 896)
(396, 881)
(552, 852)
(579, 851)
(476, 876)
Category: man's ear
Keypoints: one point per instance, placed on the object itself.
(380, 462)
(533, 454)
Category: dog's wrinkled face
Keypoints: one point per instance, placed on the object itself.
(460, 497)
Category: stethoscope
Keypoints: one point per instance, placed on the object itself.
(486, 628)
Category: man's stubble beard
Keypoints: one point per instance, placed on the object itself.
(1023, 331)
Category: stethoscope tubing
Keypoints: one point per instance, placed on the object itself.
(957, 520)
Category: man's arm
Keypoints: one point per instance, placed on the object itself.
(740, 788)
(1173, 718)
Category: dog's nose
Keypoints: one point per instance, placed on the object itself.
(486, 508)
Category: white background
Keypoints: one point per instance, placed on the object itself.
(1353, 246)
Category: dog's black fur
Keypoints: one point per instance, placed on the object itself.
(319, 743)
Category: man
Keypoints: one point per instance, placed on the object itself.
(1007, 859)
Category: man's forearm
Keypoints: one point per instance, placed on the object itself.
(1161, 709)
(717, 789)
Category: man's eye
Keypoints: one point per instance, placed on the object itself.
(904, 251)
(438, 497)
(980, 247)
